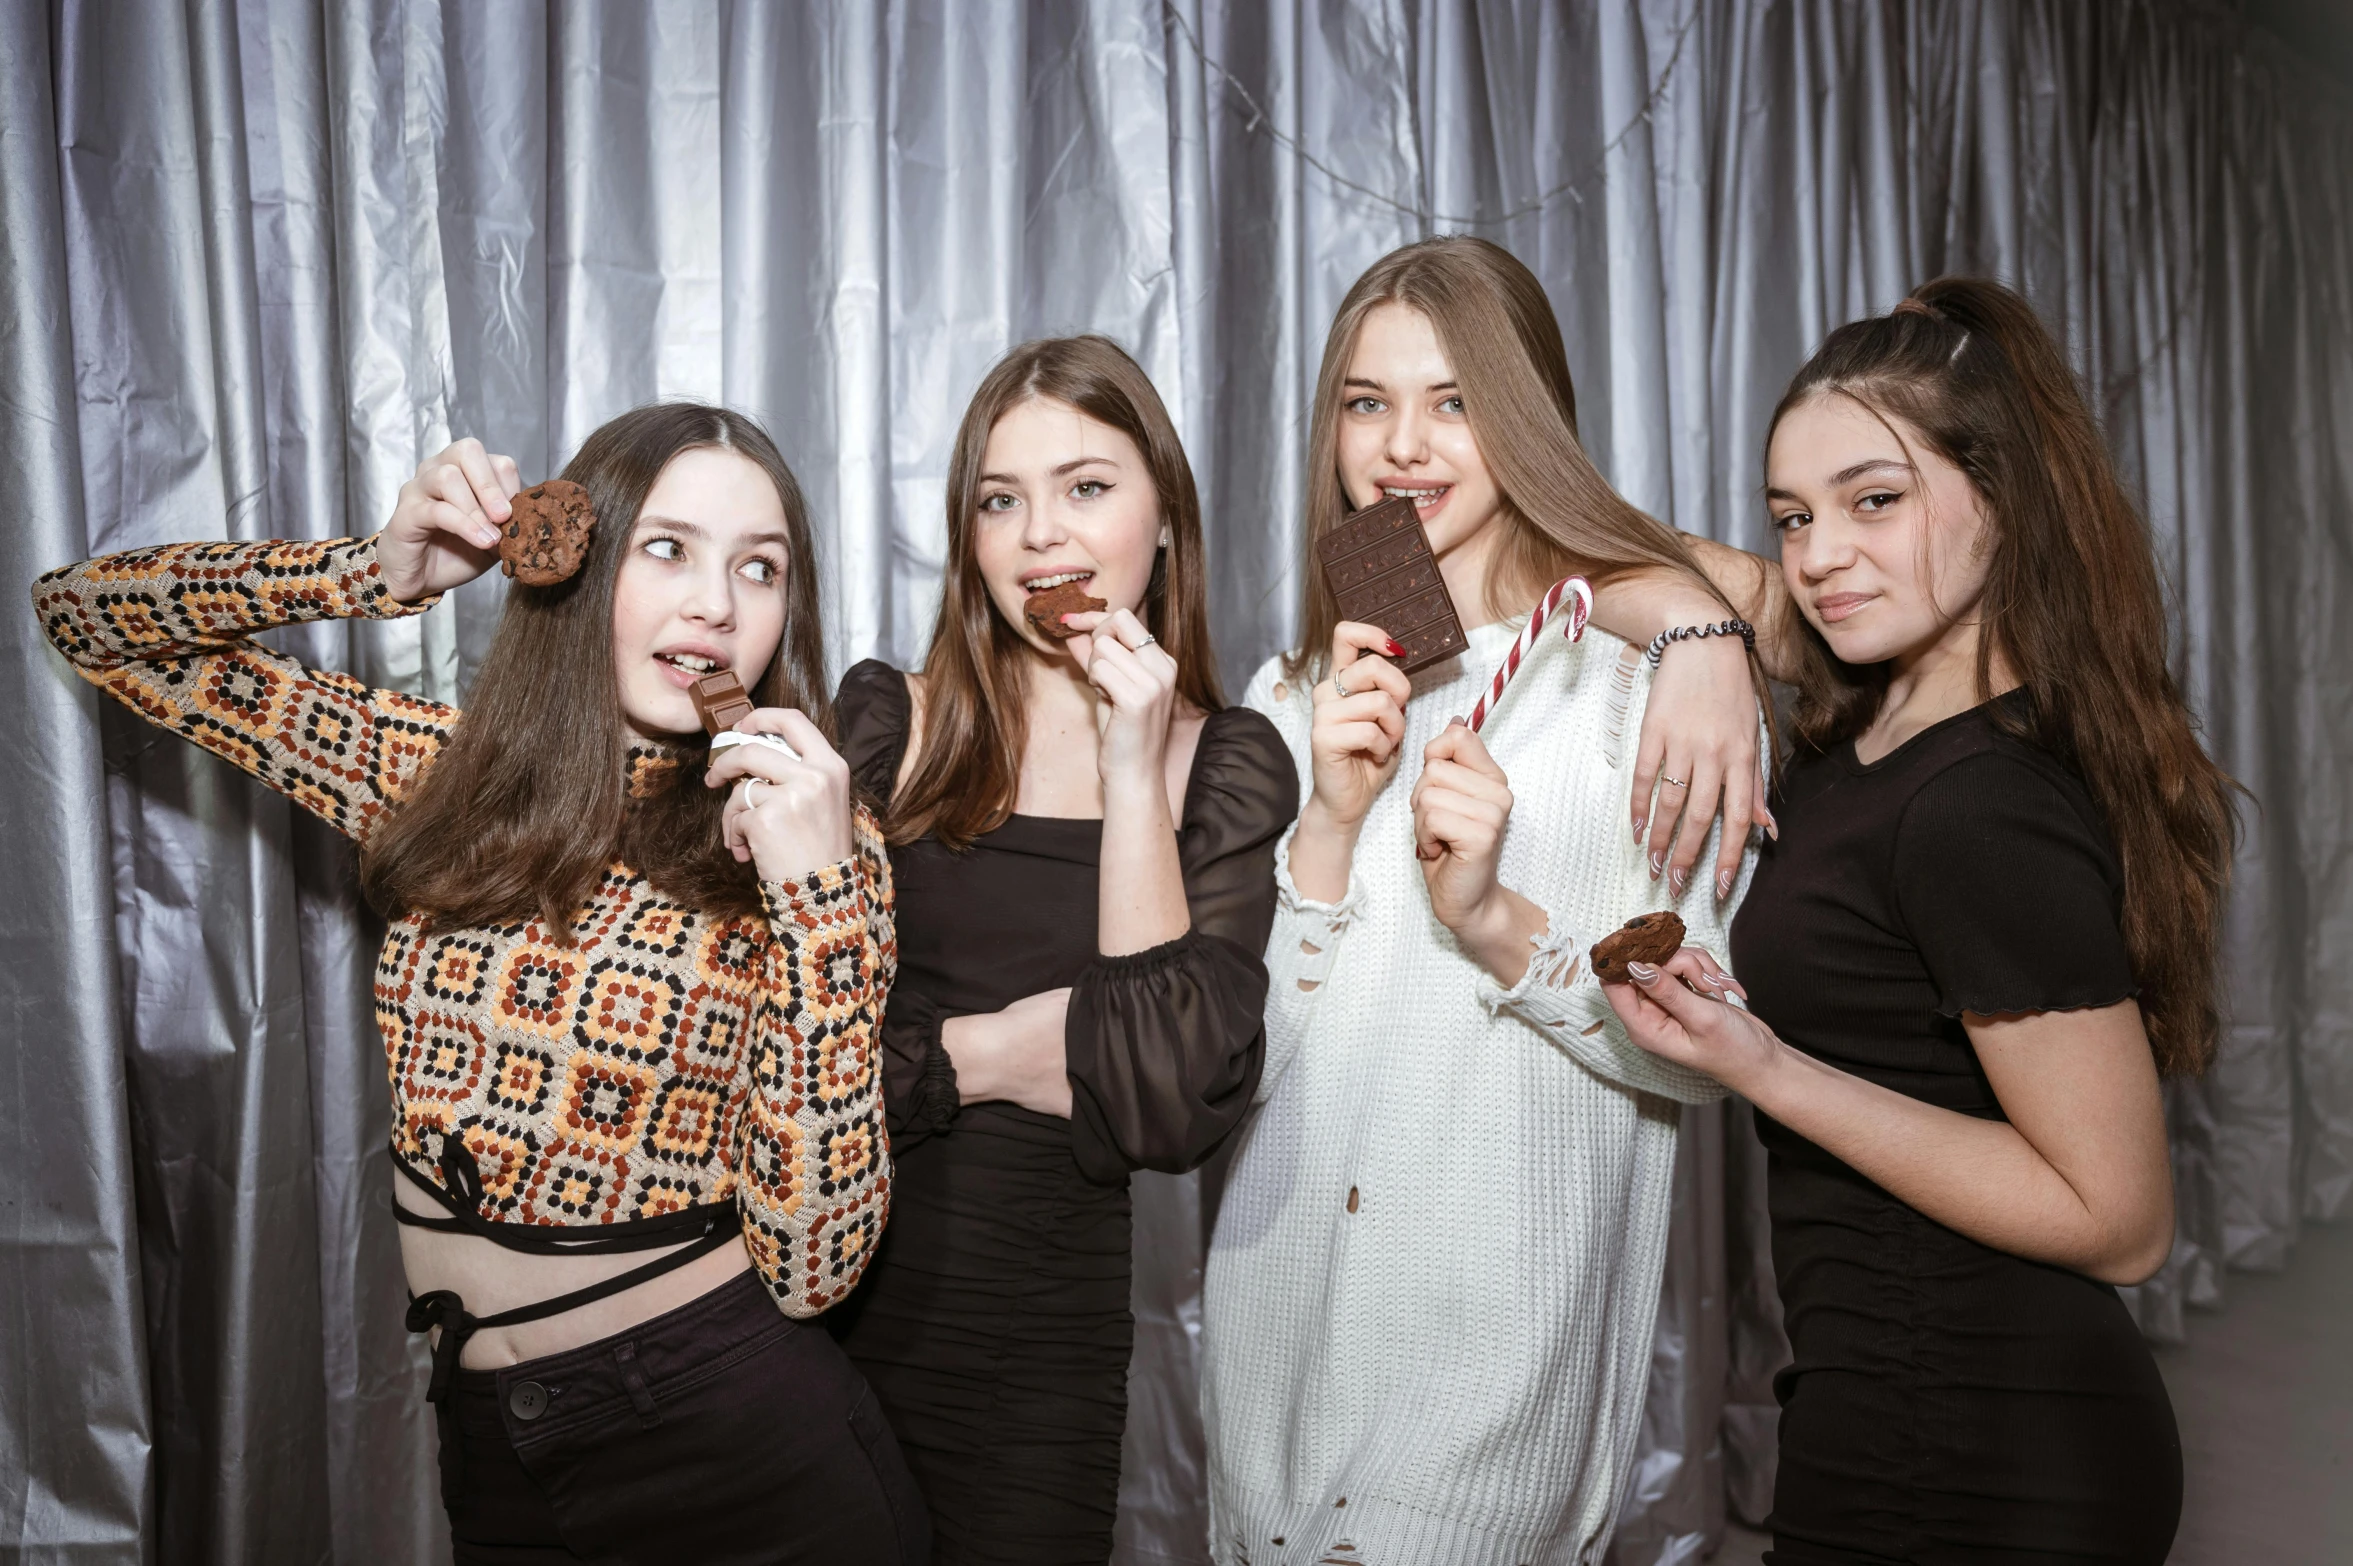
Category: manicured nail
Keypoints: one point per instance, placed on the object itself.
(1639, 824)
(1723, 883)
(1658, 862)
(1772, 827)
(1396, 650)
(1675, 881)
(1643, 972)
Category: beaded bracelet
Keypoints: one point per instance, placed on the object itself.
(1683, 633)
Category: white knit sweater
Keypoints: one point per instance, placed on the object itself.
(1428, 1311)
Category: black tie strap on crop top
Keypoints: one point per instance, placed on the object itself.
(706, 1228)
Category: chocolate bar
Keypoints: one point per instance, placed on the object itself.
(720, 701)
(1379, 567)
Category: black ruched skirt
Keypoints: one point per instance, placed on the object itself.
(994, 1326)
(1950, 1403)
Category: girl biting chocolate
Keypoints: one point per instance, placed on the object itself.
(629, 1005)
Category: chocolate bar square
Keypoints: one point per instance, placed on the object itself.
(1379, 566)
(720, 701)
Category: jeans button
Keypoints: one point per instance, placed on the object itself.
(527, 1401)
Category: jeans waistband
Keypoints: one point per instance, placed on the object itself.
(674, 1343)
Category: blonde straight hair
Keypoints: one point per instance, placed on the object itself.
(1499, 334)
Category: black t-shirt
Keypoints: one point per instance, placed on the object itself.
(1942, 1395)
(1966, 870)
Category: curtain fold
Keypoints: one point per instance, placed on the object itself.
(262, 256)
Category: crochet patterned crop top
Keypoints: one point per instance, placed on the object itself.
(650, 1059)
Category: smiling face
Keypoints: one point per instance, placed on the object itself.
(702, 587)
(1063, 498)
(1403, 431)
(1884, 543)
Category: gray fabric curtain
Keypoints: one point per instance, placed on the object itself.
(263, 255)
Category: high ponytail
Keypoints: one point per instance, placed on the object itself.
(2072, 603)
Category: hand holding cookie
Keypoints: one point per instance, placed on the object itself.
(1684, 1008)
(1137, 679)
(445, 527)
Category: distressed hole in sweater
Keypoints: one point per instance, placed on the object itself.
(1311, 984)
(1558, 970)
(1596, 1028)
(1310, 949)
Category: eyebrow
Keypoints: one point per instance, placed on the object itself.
(692, 530)
(1849, 475)
(1372, 385)
(1072, 466)
(1845, 476)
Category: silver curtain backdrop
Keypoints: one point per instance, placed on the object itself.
(263, 255)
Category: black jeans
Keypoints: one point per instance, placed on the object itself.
(720, 1432)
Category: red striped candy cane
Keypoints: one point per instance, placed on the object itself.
(1579, 594)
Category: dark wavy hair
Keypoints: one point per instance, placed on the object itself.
(975, 723)
(2072, 603)
(529, 799)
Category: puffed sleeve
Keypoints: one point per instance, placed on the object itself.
(871, 713)
(2010, 889)
(1165, 1046)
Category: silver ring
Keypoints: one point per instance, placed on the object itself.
(1673, 782)
(1148, 640)
(1341, 689)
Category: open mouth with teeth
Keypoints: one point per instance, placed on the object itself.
(1046, 584)
(1426, 498)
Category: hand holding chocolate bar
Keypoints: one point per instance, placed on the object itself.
(788, 804)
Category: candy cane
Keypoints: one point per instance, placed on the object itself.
(1580, 594)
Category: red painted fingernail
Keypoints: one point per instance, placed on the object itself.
(1395, 648)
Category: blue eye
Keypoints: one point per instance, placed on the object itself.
(1451, 405)
(1365, 405)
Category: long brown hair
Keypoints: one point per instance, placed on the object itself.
(530, 798)
(1498, 332)
(2073, 604)
(975, 723)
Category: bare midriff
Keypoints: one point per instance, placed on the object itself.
(491, 1278)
